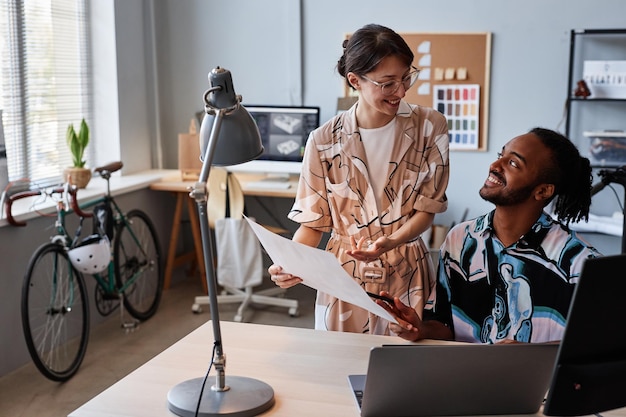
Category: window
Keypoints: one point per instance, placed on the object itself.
(45, 83)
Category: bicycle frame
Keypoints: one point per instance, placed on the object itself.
(108, 282)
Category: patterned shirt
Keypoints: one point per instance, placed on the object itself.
(335, 195)
(487, 292)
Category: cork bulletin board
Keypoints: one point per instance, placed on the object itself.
(454, 79)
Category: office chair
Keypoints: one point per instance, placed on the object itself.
(239, 257)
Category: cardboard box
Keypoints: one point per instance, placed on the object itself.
(607, 147)
(189, 162)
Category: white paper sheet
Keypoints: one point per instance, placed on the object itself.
(317, 268)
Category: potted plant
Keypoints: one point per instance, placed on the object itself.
(77, 174)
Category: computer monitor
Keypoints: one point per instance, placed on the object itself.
(590, 371)
(284, 132)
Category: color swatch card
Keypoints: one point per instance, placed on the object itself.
(460, 104)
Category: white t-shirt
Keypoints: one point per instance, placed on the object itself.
(378, 143)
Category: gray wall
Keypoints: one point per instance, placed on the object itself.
(252, 39)
(153, 56)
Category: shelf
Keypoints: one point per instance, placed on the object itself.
(597, 127)
(605, 134)
(596, 99)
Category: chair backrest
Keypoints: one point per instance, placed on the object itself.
(219, 184)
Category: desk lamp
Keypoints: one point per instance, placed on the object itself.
(228, 136)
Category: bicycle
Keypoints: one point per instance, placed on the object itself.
(125, 255)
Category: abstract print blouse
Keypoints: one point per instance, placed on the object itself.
(335, 196)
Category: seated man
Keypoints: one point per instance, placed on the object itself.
(509, 275)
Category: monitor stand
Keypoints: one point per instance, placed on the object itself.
(279, 181)
(276, 177)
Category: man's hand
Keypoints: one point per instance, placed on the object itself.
(409, 323)
(410, 326)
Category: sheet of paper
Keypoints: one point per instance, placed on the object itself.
(317, 268)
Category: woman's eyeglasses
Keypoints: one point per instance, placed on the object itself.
(390, 87)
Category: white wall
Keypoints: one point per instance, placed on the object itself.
(124, 117)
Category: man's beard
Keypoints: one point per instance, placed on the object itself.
(505, 198)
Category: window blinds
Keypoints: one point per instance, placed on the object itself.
(45, 84)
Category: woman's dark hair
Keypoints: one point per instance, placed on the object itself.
(364, 50)
(571, 174)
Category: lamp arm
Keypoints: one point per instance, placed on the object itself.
(200, 194)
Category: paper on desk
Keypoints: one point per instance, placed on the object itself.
(318, 269)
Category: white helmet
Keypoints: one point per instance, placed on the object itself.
(92, 255)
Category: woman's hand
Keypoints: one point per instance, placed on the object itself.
(367, 251)
(282, 279)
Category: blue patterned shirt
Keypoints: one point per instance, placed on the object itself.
(487, 292)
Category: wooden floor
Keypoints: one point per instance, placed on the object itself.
(112, 353)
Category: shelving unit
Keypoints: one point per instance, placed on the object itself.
(597, 123)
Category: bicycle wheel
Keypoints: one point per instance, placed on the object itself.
(137, 261)
(55, 313)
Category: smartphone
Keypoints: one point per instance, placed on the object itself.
(388, 300)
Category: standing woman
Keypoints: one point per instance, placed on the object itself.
(374, 177)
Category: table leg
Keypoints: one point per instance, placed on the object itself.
(171, 253)
(197, 242)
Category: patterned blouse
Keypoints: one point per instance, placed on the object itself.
(487, 292)
(335, 196)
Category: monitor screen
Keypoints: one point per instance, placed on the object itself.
(284, 131)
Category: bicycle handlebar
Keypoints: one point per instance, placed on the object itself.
(74, 203)
(105, 171)
(32, 193)
(9, 203)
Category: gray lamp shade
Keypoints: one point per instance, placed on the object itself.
(238, 139)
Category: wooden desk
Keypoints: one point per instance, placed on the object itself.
(306, 368)
(174, 184)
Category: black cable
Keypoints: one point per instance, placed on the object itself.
(206, 376)
(618, 176)
(619, 202)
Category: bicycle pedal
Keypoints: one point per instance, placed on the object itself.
(130, 326)
(110, 296)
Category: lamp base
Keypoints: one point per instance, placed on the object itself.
(246, 397)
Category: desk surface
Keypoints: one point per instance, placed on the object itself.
(173, 182)
(306, 368)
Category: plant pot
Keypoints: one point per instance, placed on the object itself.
(79, 177)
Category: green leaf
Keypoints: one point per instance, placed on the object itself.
(83, 135)
(70, 134)
(78, 143)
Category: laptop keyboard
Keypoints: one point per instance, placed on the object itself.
(358, 394)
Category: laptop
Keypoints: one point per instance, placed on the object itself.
(460, 379)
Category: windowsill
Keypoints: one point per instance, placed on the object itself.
(28, 208)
